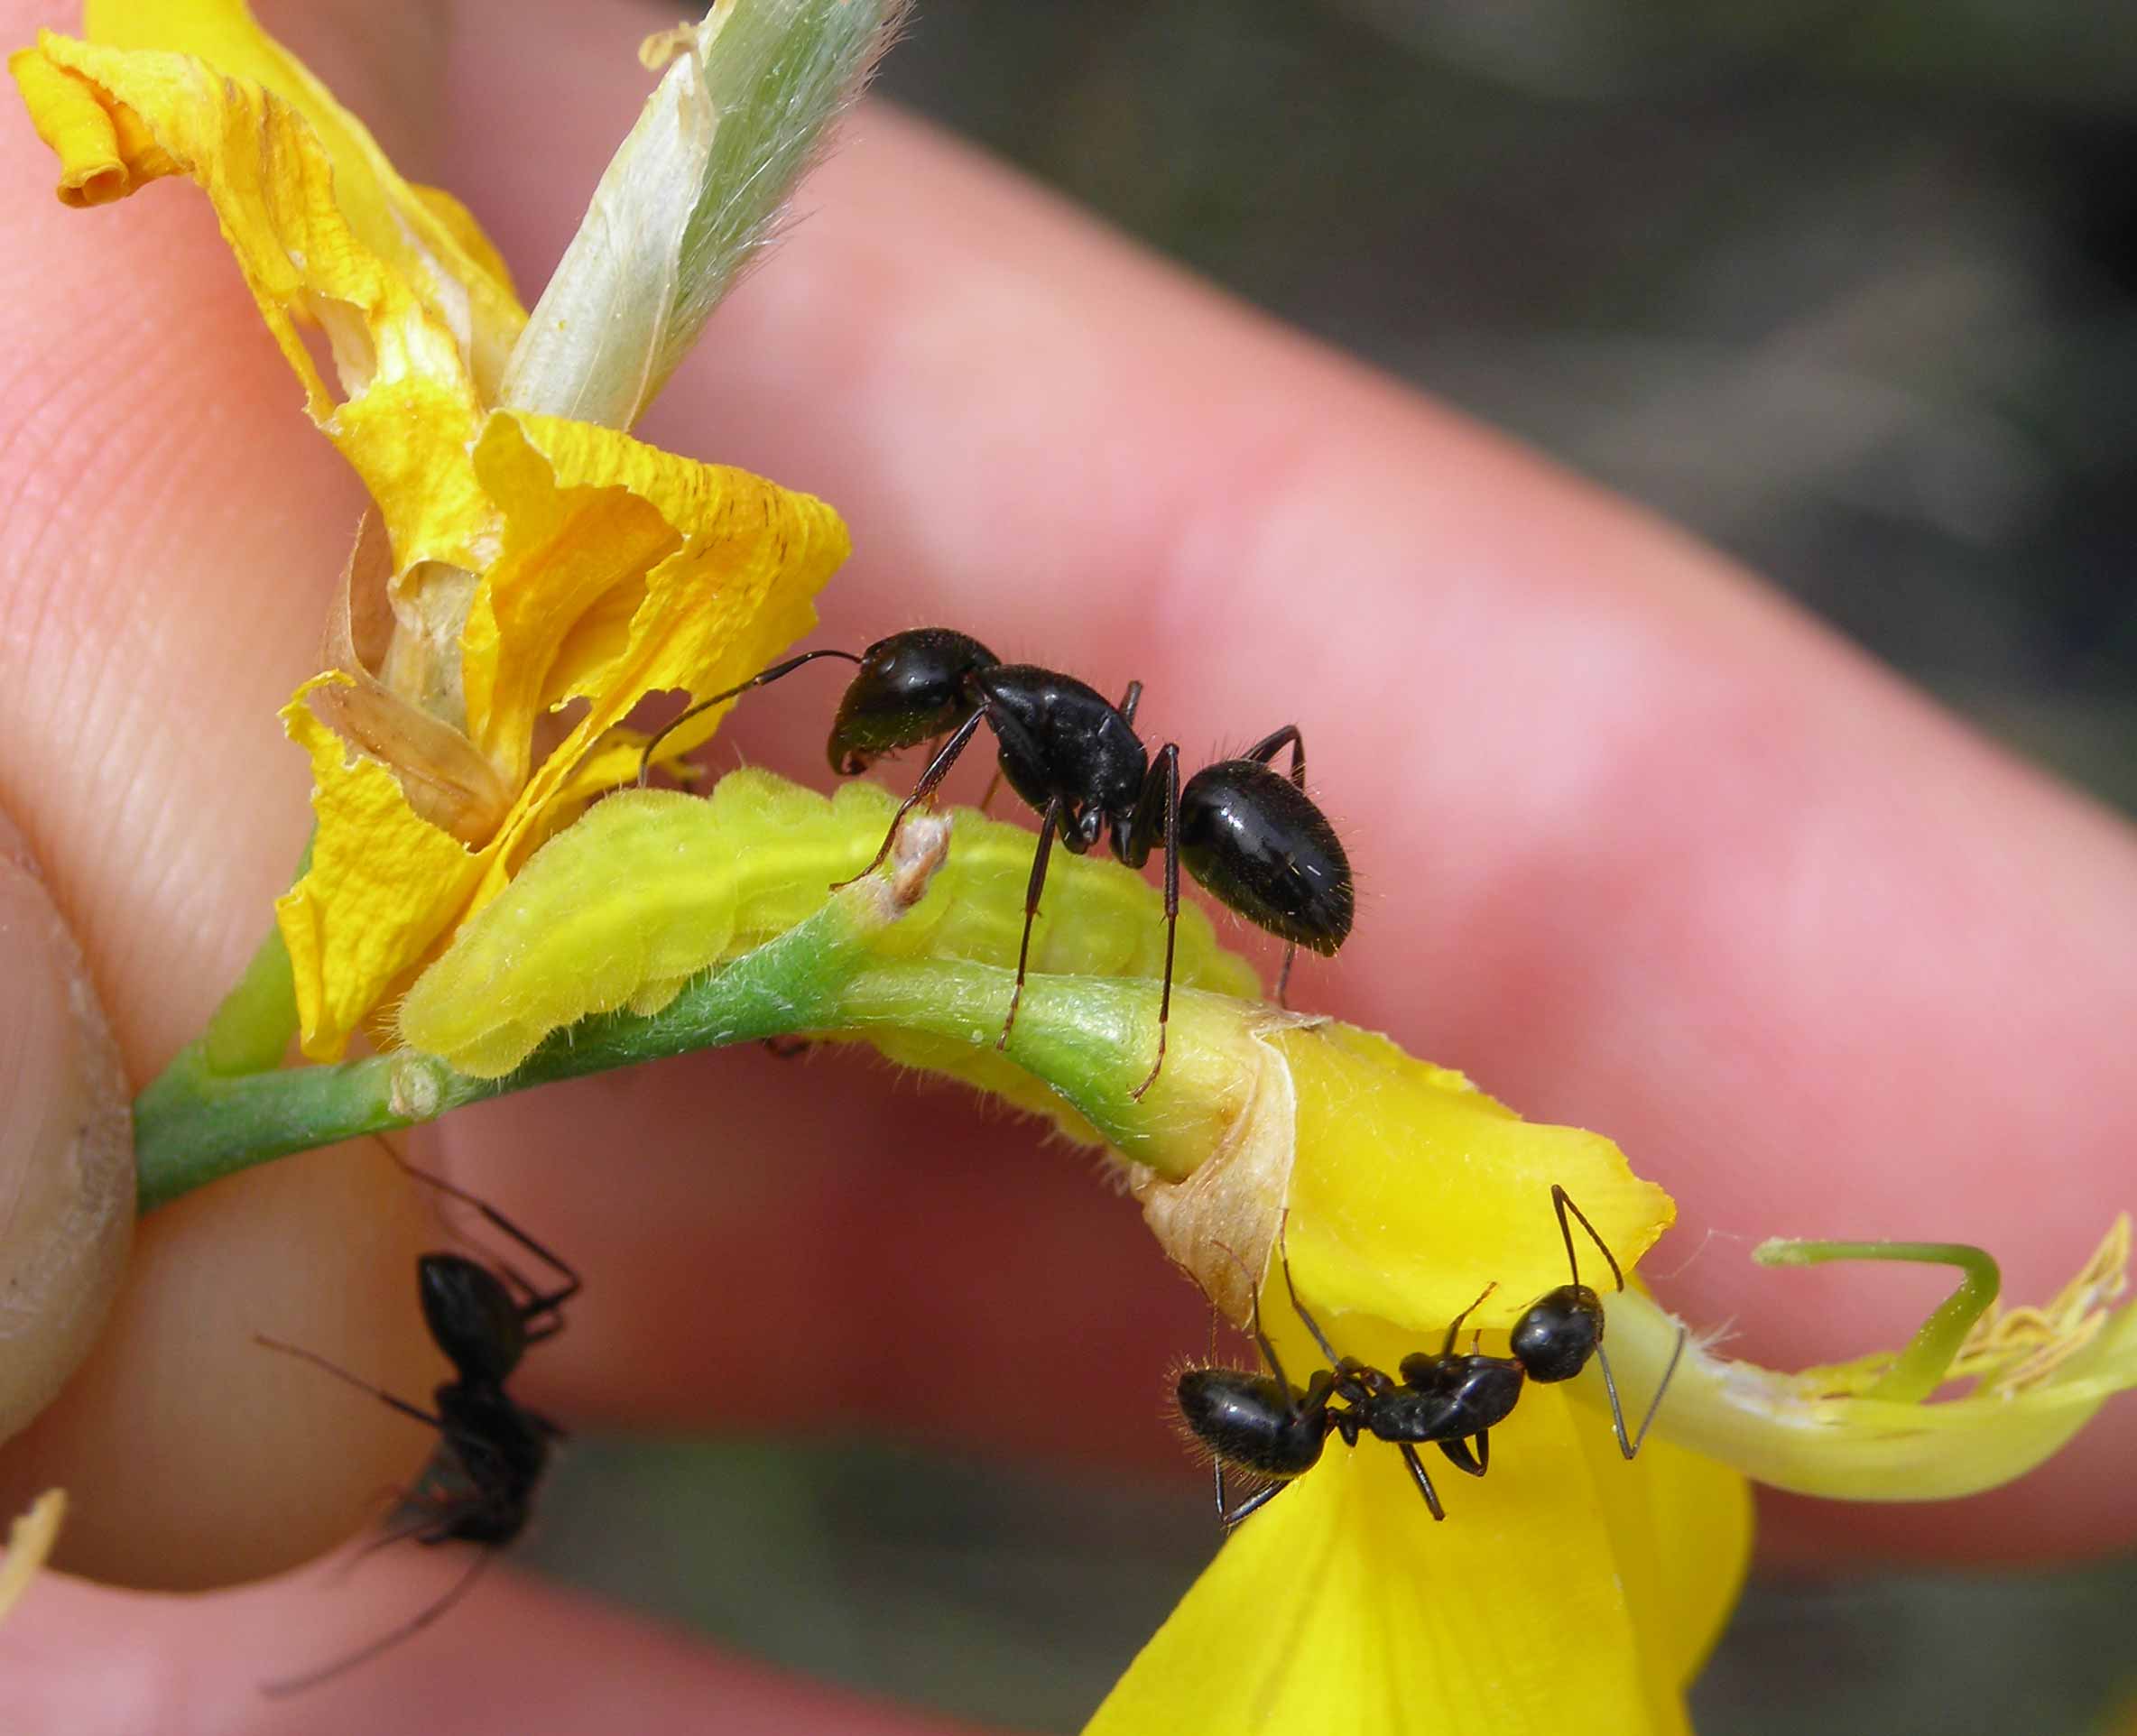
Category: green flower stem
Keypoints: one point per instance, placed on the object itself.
(1920, 1369)
(251, 1030)
(194, 1126)
(1080, 1048)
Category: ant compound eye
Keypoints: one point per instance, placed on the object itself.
(1554, 1340)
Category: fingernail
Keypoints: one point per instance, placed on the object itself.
(66, 1147)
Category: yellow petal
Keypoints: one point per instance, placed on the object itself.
(383, 886)
(1343, 1606)
(626, 570)
(30, 1541)
(623, 570)
(422, 234)
(415, 317)
(1411, 1190)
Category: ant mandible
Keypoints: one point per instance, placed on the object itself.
(493, 1450)
(1262, 1424)
(1249, 834)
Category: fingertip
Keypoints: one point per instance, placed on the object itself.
(193, 1457)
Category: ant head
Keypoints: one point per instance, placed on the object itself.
(1554, 1339)
(471, 1315)
(910, 688)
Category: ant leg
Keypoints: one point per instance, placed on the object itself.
(1284, 976)
(645, 761)
(1253, 1503)
(1458, 1454)
(1048, 822)
(937, 769)
(1455, 1326)
(312, 1678)
(994, 789)
(1424, 1483)
(1266, 750)
(539, 1303)
(1169, 761)
(1563, 1203)
(1129, 701)
(340, 1373)
(1275, 742)
(1631, 1448)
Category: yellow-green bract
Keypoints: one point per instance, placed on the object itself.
(652, 887)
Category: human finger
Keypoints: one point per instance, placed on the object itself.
(513, 1655)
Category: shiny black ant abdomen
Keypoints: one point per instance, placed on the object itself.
(1248, 833)
(492, 1451)
(1262, 1424)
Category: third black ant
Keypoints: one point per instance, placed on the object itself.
(1262, 1424)
(1248, 833)
(493, 1450)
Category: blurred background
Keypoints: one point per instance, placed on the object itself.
(1849, 289)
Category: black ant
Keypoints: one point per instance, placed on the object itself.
(493, 1450)
(1248, 833)
(1262, 1424)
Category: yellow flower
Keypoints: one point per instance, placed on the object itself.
(518, 564)
(1568, 1589)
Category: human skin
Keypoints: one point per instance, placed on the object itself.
(1640, 847)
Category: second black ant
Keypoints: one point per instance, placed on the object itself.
(492, 1451)
(1262, 1424)
(1251, 835)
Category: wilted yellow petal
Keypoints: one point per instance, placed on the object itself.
(1341, 1605)
(412, 326)
(627, 570)
(623, 570)
(1411, 1190)
(423, 234)
(383, 886)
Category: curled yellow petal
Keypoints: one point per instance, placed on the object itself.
(417, 318)
(423, 235)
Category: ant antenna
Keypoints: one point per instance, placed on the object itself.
(645, 759)
(1563, 1202)
(543, 1304)
(1455, 1326)
(1631, 1448)
(460, 1589)
(1262, 1341)
(1283, 1254)
(340, 1373)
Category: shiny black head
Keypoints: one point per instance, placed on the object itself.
(1262, 847)
(1255, 1421)
(472, 1315)
(909, 688)
(1554, 1339)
